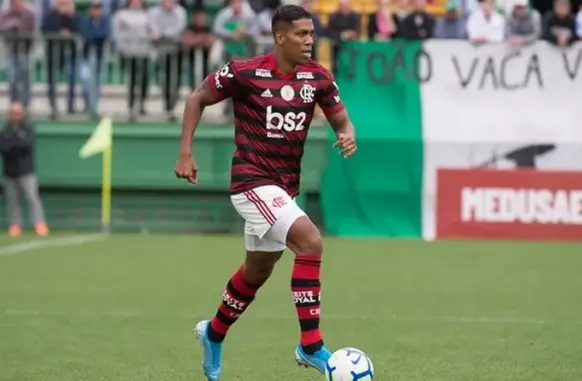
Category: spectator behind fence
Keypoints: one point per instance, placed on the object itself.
(17, 149)
(130, 27)
(167, 23)
(382, 25)
(401, 10)
(262, 24)
(523, 25)
(197, 36)
(234, 24)
(485, 24)
(343, 25)
(579, 22)
(418, 25)
(59, 26)
(17, 23)
(451, 25)
(94, 29)
(559, 26)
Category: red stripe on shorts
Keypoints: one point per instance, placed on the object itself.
(261, 206)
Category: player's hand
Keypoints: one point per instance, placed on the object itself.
(186, 168)
(346, 144)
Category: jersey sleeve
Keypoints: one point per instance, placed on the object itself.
(329, 97)
(225, 82)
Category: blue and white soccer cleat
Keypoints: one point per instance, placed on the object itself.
(318, 360)
(212, 363)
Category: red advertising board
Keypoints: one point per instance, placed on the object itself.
(509, 204)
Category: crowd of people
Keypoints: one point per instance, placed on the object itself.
(162, 39)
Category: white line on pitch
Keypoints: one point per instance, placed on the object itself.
(43, 243)
(435, 319)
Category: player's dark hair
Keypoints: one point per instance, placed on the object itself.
(287, 14)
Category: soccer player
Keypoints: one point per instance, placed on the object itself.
(274, 98)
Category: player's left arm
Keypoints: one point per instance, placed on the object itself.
(337, 116)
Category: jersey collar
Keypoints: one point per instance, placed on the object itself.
(273, 67)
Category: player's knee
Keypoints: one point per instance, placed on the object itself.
(312, 243)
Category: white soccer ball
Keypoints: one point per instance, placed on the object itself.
(349, 364)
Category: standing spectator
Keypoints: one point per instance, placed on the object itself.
(343, 25)
(485, 24)
(559, 25)
(319, 30)
(382, 25)
(523, 25)
(262, 24)
(17, 24)
(132, 39)
(94, 31)
(401, 10)
(418, 25)
(234, 24)
(17, 149)
(59, 26)
(167, 23)
(197, 38)
(451, 25)
(579, 22)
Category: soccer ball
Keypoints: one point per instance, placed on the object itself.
(349, 364)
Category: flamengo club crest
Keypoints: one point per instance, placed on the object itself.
(307, 93)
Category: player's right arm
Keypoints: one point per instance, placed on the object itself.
(214, 89)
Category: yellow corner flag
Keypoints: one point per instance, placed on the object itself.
(101, 141)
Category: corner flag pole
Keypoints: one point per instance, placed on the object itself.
(101, 141)
(106, 190)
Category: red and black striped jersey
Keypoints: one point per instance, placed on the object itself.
(272, 114)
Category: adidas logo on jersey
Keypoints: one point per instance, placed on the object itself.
(267, 94)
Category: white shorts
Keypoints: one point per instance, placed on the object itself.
(268, 212)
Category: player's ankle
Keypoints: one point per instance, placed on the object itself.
(312, 348)
(214, 336)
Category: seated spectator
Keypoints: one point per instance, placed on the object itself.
(58, 27)
(17, 23)
(234, 25)
(485, 24)
(382, 25)
(523, 24)
(167, 23)
(94, 28)
(559, 26)
(418, 25)
(197, 36)
(343, 25)
(132, 40)
(451, 25)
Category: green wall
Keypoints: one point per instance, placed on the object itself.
(147, 195)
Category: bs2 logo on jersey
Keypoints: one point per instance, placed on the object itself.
(288, 122)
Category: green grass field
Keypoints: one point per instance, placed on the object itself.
(122, 308)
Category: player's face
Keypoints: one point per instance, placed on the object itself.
(298, 41)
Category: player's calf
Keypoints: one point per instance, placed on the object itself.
(238, 294)
(305, 240)
(259, 265)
